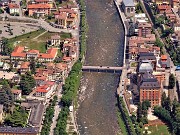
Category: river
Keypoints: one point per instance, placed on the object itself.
(96, 114)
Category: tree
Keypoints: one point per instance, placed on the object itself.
(175, 104)
(27, 83)
(33, 66)
(171, 81)
(6, 97)
(131, 29)
(167, 104)
(17, 118)
(139, 112)
(163, 98)
(6, 48)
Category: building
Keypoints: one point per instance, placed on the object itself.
(162, 8)
(16, 94)
(25, 67)
(46, 89)
(18, 131)
(145, 66)
(148, 56)
(19, 53)
(38, 9)
(54, 41)
(177, 27)
(13, 9)
(150, 89)
(175, 3)
(141, 17)
(163, 2)
(66, 17)
(144, 29)
(165, 61)
(1, 113)
(149, 39)
(129, 8)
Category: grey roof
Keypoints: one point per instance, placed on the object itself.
(145, 66)
(19, 130)
(149, 82)
(36, 114)
(146, 56)
(128, 3)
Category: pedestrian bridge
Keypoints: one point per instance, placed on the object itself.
(105, 69)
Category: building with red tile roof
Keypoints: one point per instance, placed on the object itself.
(149, 39)
(38, 9)
(25, 67)
(16, 94)
(65, 17)
(46, 89)
(13, 8)
(162, 8)
(20, 54)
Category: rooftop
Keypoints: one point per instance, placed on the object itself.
(18, 130)
(128, 3)
(39, 6)
(12, 5)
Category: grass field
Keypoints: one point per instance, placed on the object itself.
(35, 40)
(158, 130)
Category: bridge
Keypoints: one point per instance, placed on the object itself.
(105, 69)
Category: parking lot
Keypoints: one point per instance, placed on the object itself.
(12, 29)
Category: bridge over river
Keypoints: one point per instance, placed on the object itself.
(106, 69)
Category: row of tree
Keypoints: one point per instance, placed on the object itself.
(169, 112)
(83, 29)
(126, 117)
(73, 81)
(48, 117)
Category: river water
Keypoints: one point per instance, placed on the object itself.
(96, 114)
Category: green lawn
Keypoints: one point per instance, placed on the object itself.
(31, 42)
(158, 130)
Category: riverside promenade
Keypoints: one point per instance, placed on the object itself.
(120, 89)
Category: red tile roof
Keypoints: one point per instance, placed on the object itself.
(51, 53)
(39, 6)
(25, 65)
(62, 16)
(163, 57)
(33, 51)
(18, 52)
(67, 10)
(44, 88)
(15, 91)
(12, 5)
(164, 7)
(61, 66)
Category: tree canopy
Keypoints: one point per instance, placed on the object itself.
(27, 83)
(6, 97)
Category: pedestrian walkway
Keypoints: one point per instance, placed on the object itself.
(40, 35)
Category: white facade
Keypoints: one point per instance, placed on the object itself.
(14, 10)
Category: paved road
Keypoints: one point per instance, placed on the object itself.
(57, 109)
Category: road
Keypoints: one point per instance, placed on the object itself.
(57, 109)
(172, 66)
